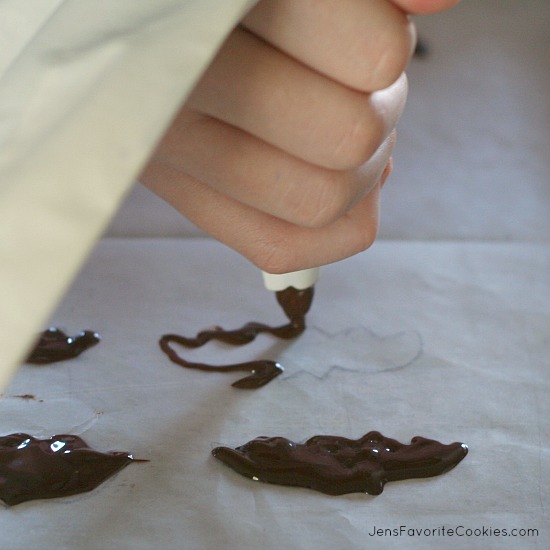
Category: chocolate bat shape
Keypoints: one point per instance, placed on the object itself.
(295, 304)
(60, 466)
(337, 465)
(54, 345)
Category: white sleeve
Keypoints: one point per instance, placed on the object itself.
(85, 93)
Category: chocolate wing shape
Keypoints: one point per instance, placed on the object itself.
(337, 465)
(60, 466)
(54, 345)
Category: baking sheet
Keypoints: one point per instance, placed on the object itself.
(444, 340)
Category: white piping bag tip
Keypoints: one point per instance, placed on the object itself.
(300, 280)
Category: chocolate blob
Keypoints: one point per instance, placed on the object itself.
(60, 466)
(337, 465)
(54, 345)
(295, 303)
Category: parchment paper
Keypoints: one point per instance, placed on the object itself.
(444, 340)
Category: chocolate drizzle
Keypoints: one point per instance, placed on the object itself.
(295, 303)
(337, 465)
(54, 345)
(60, 466)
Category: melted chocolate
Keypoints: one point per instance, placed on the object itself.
(27, 397)
(54, 345)
(337, 466)
(295, 303)
(60, 466)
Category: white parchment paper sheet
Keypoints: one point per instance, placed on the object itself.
(445, 340)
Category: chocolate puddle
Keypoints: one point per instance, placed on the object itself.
(60, 466)
(337, 465)
(54, 345)
(295, 303)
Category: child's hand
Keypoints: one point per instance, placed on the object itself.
(282, 148)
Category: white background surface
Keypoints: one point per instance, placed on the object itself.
(443, 333)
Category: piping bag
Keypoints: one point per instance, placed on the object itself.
(300, 280)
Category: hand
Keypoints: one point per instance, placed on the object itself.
(282, 148)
